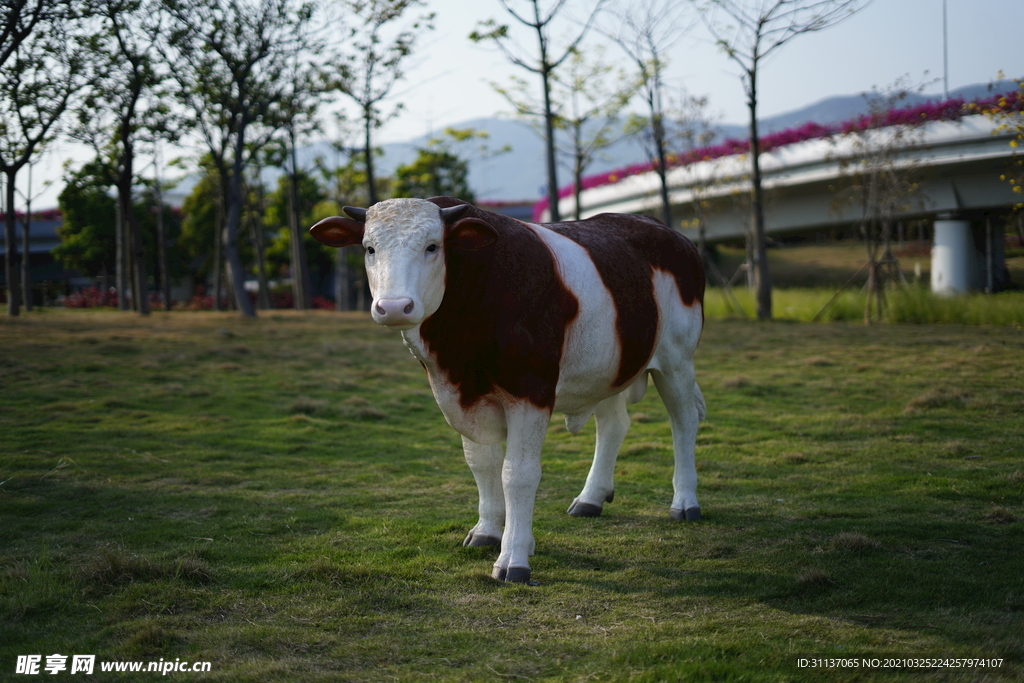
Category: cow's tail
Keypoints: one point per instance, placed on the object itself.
(698, 398)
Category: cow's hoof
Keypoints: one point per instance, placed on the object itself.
(689, 515)
(474, 540)
(578, 509)
(512, 574)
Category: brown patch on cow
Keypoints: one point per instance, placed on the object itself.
(502, 322)
(626, 250)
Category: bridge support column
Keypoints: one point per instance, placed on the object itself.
(952, 256)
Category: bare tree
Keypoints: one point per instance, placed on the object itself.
(587, 102)
(882, 182)
(596, 99)
(749, 31)
(543, 64)
(43, 69)
(235, 59)
(645, 31)
(369, 74)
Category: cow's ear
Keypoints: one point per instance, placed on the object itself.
(471, 233)
(338, 231)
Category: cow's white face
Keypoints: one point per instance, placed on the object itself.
(404, 242)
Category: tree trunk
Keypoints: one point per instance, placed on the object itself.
(26, 254)
(236, 274)
(549, 140)
(138, 252)
(256, 230)
(341, 281)
(371, 182)
(300, 270)
(218, 239)
(658, 132)
(762, 277)
(12, 262)
(119, 268)
(161, 248)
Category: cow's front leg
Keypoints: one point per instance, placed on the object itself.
(485, 463)
(520, 476)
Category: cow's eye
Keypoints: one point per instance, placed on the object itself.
(370, 250)
(432, 248)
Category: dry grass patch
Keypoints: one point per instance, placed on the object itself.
(1000, 515)
(371, 413)
(811, 577)
(849, 541)
(937, 397)
(309, 406)
(737, 382)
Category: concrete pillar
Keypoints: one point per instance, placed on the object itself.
(952, 256)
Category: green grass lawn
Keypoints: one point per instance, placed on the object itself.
(282, 498)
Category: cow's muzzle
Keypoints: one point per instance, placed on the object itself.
(400, 313)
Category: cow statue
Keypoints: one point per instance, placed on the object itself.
(514, 321)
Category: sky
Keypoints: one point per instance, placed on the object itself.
(448, 79)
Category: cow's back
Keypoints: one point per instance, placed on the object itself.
(626, 251)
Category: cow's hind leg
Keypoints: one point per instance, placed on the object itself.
(485, 463)
(612, 425)
(684, 402)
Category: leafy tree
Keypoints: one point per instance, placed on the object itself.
(236, 64)
(1008, 114)
(346, 186)
(543, 63)
(277, 218)
(437, 169)
(202, 215)
(123, 104)
(43, 70)
(369, 73)
(750, 31)
(87, 231)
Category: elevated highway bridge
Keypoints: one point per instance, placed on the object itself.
(956, 165)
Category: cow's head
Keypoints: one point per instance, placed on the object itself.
(406, 243)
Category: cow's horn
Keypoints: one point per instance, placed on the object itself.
(355, 213)
(453, 212)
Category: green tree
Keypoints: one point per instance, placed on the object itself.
(88, 234)
(87, 231)
(368, 74)
(276, 219)
(236, 75)
(44, 68)
(124, 105)
(437, 169)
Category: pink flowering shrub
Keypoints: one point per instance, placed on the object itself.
(950, 110)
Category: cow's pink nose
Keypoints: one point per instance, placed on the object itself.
(394, 311)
